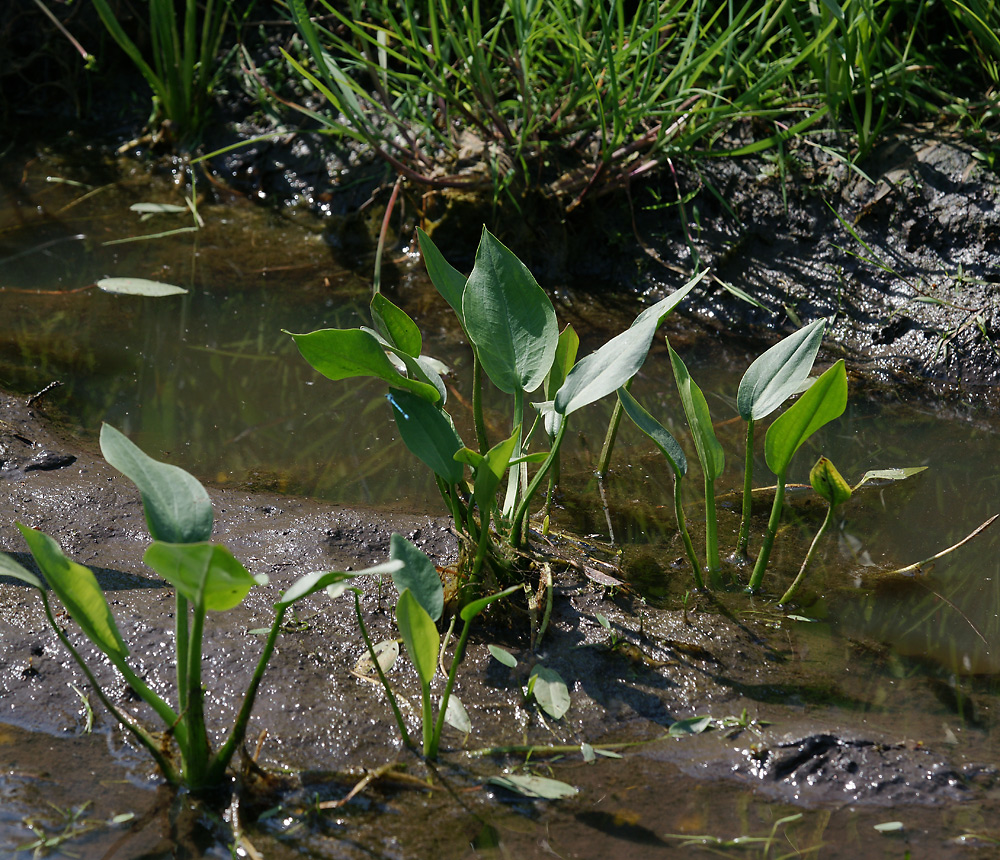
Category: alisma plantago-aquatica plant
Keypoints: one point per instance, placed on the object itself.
(511, 327)
(205, 577)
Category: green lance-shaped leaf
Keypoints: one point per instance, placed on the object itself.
(779, 372)
(471, 610)
(829, 483)
(419, 368)
(418, 575)
(710, 453)
(9, 567)
(77, 588)
(566, 350)
(177, 507)
(310, 583)
(608, 368)
(656, 431)
(208, 575)
(420, 636)
(509, 318)
(395, 325)
(346, 353)
(889, 475)
(489, 469)
(447, 280)
(429, 434)
(825, 400)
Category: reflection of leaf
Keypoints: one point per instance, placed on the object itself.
(139, 287)
(889, 474)
(534, 786)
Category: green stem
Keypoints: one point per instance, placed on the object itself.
(809, 555)
(459, 654)
(514, 475)
(220, 761)
(609, 438)
(427, 719)
(521, 514)
(743, 542)
(772, 529)
(682, 526)
(140, 734)
(711, 533)
(381, 675)
(181, 649)
(477, 404)
(195, 754)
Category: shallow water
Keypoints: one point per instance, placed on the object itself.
(210, 381)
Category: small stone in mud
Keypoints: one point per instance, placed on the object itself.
(48, 461)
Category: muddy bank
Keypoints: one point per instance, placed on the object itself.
(799, 733)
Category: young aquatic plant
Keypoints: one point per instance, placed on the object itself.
(418, 608)
(771, 379)
(678, 465)
(710, 455)
(830, 484)
(511, 328)
(824, 400)
(205, 577)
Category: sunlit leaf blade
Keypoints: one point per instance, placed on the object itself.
(778, 373)
(550, 691)
(206, 574)
(9, 567)
(310, 583)
(471, 610)
(418, 574)
(346, 353)
(447, 280)
(492, 470)
(608, 368)
(395, 325)
(419, 634)
(139, 287)
(540, 787)
(825, 400)
(178, 509)
(829, 483)
(509, 318)
(77, 588)
(456, 716)
(889, 474)
(429, 434)
(655, 431)
(710, 453)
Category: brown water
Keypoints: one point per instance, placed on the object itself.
(211, 382)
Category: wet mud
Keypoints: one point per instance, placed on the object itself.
(790, 729)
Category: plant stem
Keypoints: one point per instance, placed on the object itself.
(772, 529)
(609, 438)
(743, 542)
(381, 675)
(220, 761)
(805, 562)
(427, 719)
(195, 753)
(682, 526)
(456, 660)
(711, 533)
(477, 404)
(514, 475)
(520, 515)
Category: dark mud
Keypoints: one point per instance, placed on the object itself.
(800, 734)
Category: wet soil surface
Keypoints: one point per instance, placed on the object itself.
(803, 733)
